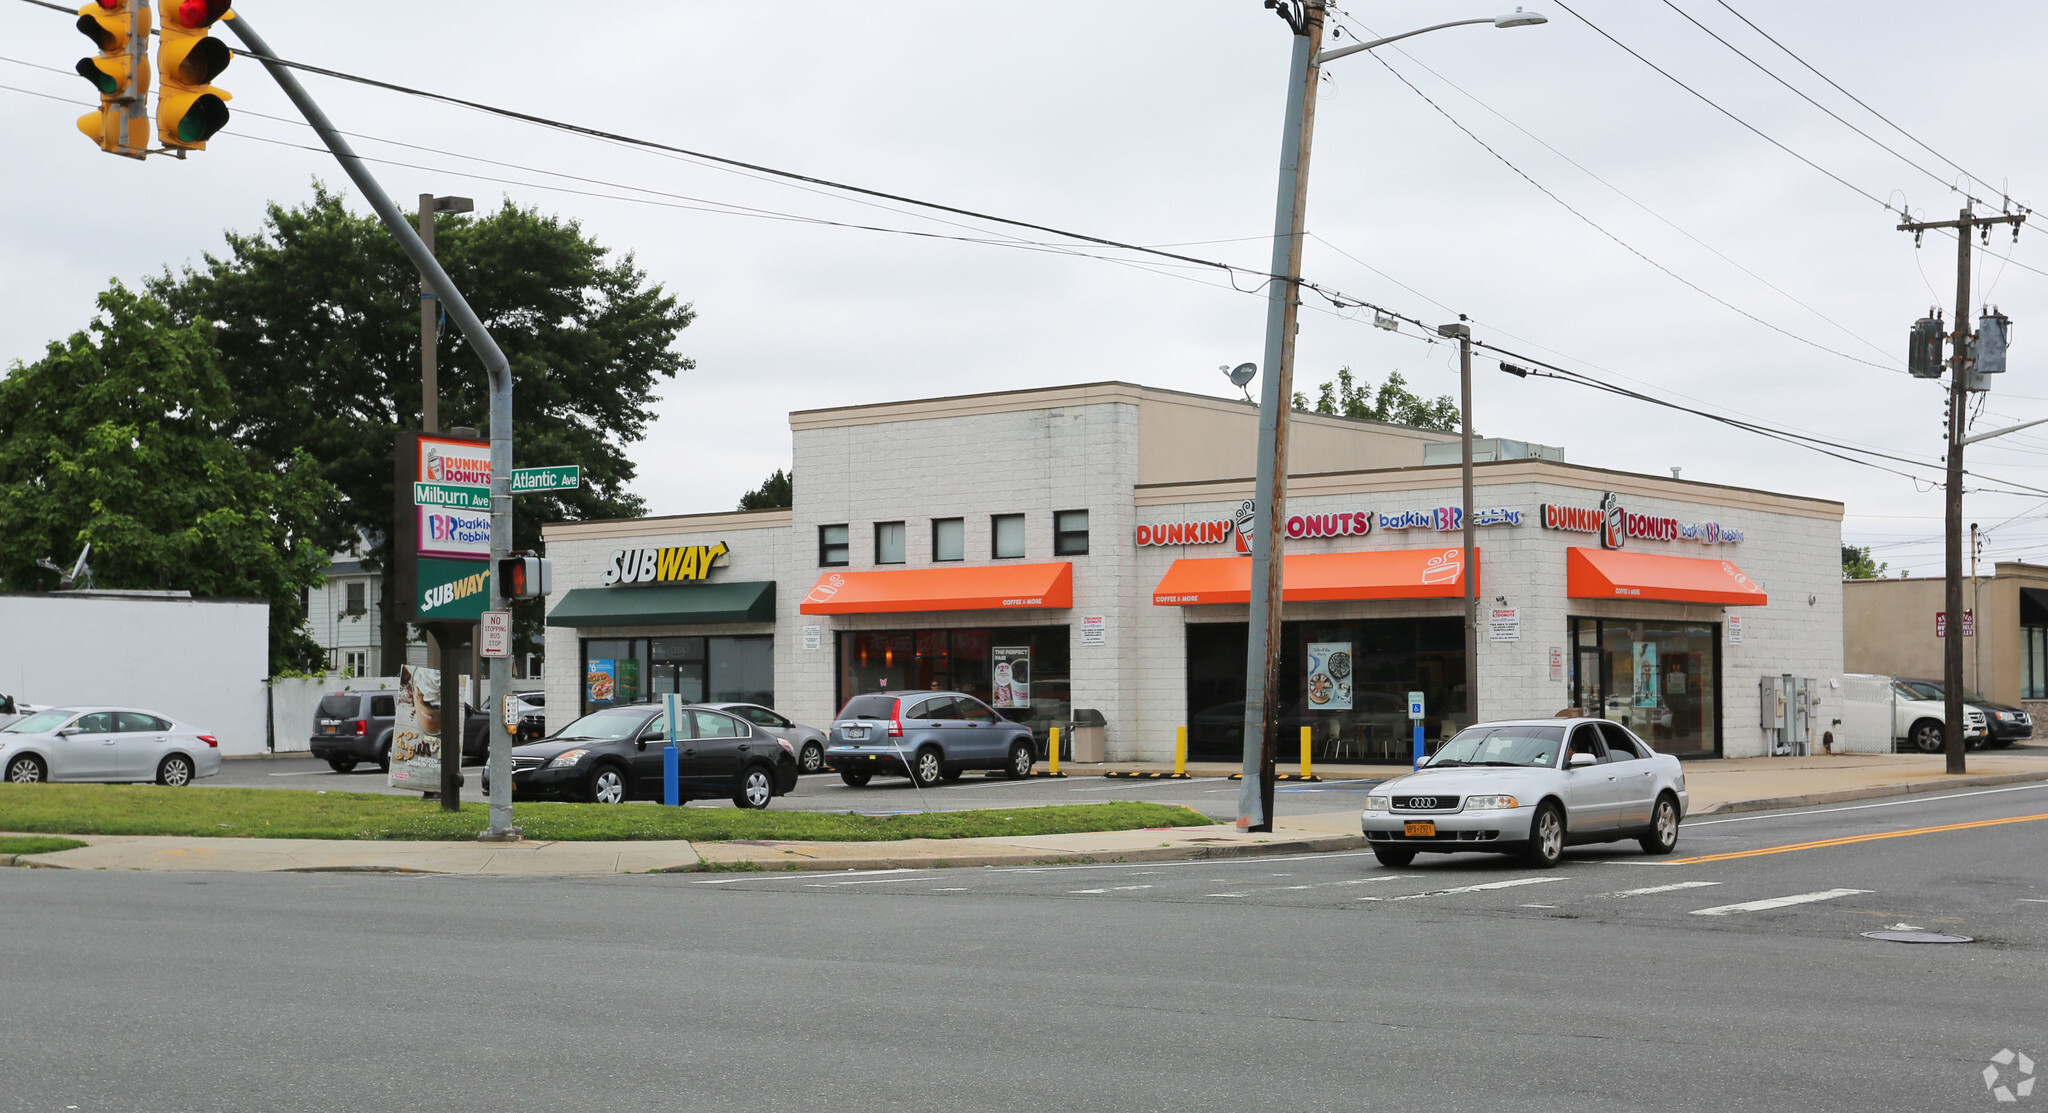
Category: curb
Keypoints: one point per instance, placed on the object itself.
(1773, 803)
(1316, 845)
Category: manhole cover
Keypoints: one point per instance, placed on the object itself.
(1916, 937)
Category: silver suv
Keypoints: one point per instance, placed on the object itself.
(927, 736)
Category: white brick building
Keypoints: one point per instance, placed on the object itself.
(902, 565)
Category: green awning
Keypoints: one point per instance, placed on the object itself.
(667, 604)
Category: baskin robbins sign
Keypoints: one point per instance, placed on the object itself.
(452, 496)
(1615, 525)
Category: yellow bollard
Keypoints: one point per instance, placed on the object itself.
(1307, 736)
(1180, 751)
(1054, 752)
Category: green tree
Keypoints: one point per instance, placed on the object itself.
(317, 323)
(1858, 565)
(118, 437)
(777, 492)
(1392, 402)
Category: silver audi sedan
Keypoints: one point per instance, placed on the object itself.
(1530, 787)
(105, 744)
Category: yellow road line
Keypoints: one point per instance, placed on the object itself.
(1818, 844)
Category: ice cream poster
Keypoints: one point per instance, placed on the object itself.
(416, 731)
(1329, 676)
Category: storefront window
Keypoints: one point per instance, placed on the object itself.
(2034, 662)
(1662, 680)
(738, 669)
(1346, 680)
(1022, 672)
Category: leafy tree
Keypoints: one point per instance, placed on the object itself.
(777, 492)
(1858, 565)
(1392, 402)
(317, 322)
(118, 437)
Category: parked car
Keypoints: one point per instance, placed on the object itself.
(607, 756)
(352, 728)
(1919, 712)
(531, 709)
(926, 736)
(1530, 787)
(808, 741)
(105, 744)
(2003, 723)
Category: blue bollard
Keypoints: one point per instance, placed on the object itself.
(671, 793)
(1418, 743)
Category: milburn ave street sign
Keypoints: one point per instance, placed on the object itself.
(452, 496)
(563, 477)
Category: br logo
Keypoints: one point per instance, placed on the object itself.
(2021, 1076)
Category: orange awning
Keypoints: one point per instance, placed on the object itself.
(1605, 574)
(991, 587)
(1434, 573)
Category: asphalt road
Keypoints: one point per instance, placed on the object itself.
(1613, 983)
(1214, 796)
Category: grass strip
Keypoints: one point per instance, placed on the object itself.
(77, 809)
(35, 844)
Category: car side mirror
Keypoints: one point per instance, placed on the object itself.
(68, 732)
(1581, 760)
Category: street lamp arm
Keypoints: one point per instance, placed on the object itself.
(1332, 55)
(1975, 437)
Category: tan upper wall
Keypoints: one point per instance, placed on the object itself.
(1888, 627)
(674, 523)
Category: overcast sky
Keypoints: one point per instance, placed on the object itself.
(1160, 124)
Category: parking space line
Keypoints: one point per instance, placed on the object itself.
(1818, 844)
(1777, 902)
(1661, 889)
(1511, 883)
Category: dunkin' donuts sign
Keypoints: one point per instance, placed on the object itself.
(1214, 531)
(1615, 525)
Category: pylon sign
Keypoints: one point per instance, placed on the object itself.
(441, 546)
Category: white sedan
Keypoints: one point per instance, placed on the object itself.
(105, 744)
(1530, 787)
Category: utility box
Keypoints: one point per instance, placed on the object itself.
(1091, 735)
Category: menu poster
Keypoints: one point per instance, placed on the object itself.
(1012, 670)
(416, 731)
(1329, 676)
(601, 679)
(1646, 674)
(629, 680)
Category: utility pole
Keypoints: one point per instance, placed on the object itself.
(1960, 367)
(1276, 399)
(1470, 572)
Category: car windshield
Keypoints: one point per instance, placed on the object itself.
(1920, 689)
(39, 723)
(1501, 745)
(609, 725)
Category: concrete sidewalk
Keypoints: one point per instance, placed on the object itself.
(1752, 784)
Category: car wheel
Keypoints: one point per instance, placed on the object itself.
(1663, 836)
(342, 764)
(1546, 837)
(607, 785)
(813, 759)
(1393, 856)
(175, 770)
(384, 759)
(756, 789)
(927, 767)
(1021, 759)
(856, 778)
(26, 770)
(951, 775)
(1927, 737)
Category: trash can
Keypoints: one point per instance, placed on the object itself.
(1091, 735)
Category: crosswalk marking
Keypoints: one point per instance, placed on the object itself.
(1509, 884)
(1661, 889)
(1777, 902)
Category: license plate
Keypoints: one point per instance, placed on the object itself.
(1419, 829)
(857, 732)
(330, 728)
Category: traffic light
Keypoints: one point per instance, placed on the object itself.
(525, 577)
(1923, 353)
(188, 108)
(120, 73)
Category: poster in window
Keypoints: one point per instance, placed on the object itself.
(416, 731)
(1012, 668)
(1329, 676)
(1646, 674)
(601, 679)
(629, 679)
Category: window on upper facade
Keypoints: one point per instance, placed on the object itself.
(355, 596)
(1070, 533)
(833, 550)
(949, 539)
(889, 543)
(1006, 536)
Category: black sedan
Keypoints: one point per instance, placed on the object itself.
(610, 755)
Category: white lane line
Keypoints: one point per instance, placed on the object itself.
(803, 875)
(1127, 888)
(1778, 902)
(1081, 892)
(1539, 906)
(1352, 881)
(1865, 807)
(1509, 884)
(1126, 784)
(1661, 889)
(308, 773)
(949, 890)
(881, 881)
(1211, 863)
(2032, 900)
(1229, 894)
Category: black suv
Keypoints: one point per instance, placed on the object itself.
(608, 755)
(352, 728)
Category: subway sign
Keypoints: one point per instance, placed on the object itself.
(674, 564)
(452, 590)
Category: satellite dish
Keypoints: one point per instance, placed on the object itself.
(1242, 373)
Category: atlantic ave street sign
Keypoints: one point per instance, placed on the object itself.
(562, 477)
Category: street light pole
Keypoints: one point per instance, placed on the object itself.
(1469, 571)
